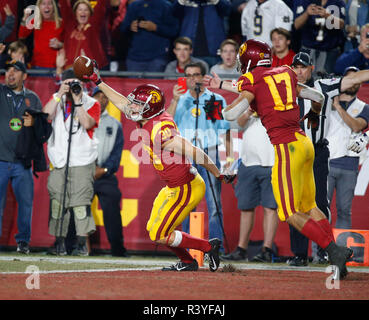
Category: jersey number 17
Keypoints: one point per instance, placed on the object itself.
(271, 81)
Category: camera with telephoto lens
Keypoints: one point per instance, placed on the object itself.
(75, 87)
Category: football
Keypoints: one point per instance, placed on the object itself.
(83, 66)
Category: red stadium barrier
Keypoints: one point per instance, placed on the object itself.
(140, 184)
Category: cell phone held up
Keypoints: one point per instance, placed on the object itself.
(182, 83)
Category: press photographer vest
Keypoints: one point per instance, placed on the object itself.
(83, 149)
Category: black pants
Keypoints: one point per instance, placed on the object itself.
(300, 243)
(107, 190)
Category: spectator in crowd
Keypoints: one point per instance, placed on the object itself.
(15, 118)
(118, 45)
(303, 66)
(355, 19)
(358, 57)
(8, 7)
(183, 52)
(260, 17)
(254, 188)
(152, 27)
(321, 31)
(228, 53)
(199, 20)
(234, 21)
(82, 30)
(81, 163)
(282, 54)
(350, 115)
(111, 140)
(47, 29)
(8, 26)
(17, 50)
(210, 127)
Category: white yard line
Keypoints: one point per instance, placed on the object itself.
(151, 264)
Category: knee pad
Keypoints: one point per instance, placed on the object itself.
(81, 212)
(56, 209)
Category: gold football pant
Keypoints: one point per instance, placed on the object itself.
(172, 206)
(293, 177)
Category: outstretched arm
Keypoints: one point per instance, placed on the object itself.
(181, 146)
(215, 82)
(119, 100)
(312, 94)
(354, 78)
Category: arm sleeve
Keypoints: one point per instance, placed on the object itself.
(284, 18)
(7, 28)
(365, 115)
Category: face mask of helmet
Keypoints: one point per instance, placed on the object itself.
(137, 114)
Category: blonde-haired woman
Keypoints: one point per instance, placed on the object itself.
(47, 28)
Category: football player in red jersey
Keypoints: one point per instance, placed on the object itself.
(272, 92)
(169, 154)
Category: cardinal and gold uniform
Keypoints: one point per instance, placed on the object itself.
(185, 188)
(275, 102)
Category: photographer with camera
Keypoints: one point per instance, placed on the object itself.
(72, 151)
(358, 57)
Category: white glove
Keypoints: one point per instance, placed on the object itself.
(358, 142)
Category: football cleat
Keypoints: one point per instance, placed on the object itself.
(212, 256)
(183, 266)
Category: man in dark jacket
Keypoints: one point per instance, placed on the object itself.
(15, 100)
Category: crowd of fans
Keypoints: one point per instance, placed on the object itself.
(140, 35)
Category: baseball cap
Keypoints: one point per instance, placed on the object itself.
(96, 91)
(351, 68)
(302, 58)
(16, 64)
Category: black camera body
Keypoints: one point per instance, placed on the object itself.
(75, 87)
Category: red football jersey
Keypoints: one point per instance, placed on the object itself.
(172, 168)
(275, 101)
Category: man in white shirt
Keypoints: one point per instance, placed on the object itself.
(350, 115)
(260, 17)
(254, 188)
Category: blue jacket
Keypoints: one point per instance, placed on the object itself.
(351, 58)
(145, 45)
(213, 19)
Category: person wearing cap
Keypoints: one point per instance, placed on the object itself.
(350, 116)
(302, 64)
(81, 162)
(358, 57)
(15, 99)
(111, 140)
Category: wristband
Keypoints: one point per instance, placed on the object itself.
(220, 85)
(98, 81)
(230, 159)
(56, 98)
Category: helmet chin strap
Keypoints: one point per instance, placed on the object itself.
(248, 66)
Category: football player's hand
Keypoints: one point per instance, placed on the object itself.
(95, 76)
(313, 119)
(227, 178)
(358, 142)
(211, 81)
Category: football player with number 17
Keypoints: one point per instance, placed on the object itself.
(169, 154)
(272, 92)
